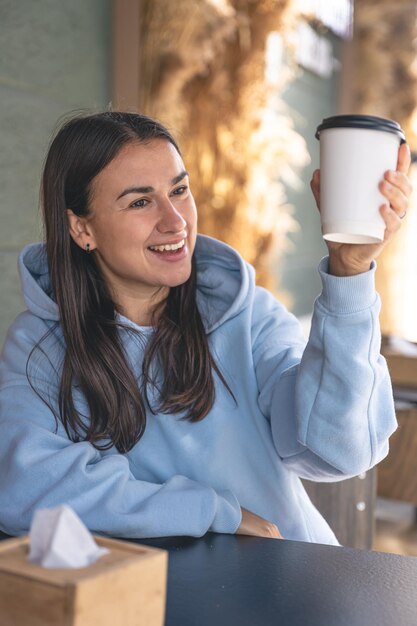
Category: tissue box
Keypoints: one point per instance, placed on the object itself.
(126, 586)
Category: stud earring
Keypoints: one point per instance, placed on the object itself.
(87, 248)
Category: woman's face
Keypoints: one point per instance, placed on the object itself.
(143, 219)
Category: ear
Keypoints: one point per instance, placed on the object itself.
(80, 231)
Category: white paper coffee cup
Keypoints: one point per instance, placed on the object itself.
(355, 152)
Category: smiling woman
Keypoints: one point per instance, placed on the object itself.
(151, 385)
(103, 225)
(141, 225)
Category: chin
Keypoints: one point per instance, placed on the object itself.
(178, 280)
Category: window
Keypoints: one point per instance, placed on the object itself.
(336, 15)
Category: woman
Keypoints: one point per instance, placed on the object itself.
(151, 385)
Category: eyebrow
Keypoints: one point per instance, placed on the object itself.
(129, 190)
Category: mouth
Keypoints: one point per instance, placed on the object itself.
(171, 248)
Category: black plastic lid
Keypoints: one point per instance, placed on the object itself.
(369, 122)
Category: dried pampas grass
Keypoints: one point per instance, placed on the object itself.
(202, 71)
(384, 83)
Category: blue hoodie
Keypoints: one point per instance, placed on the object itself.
(322, 412)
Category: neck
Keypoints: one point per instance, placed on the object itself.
(139, 308)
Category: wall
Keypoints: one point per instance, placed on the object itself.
(54, 59)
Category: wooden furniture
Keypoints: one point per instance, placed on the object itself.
(348, 507)
(397, 473)
(126, 586)
(230, 579)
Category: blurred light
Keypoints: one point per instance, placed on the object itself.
(408, 297)
(222, 6)
(273, 58)
(337, 15)
(315, 53)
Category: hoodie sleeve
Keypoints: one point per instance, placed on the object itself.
(330, 405)
(40, 467)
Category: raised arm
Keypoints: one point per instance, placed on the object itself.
(331, 410)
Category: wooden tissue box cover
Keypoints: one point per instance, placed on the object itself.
(126, 587)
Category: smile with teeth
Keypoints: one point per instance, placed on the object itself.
(168, 246)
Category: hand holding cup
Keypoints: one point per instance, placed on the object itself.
(354, 244)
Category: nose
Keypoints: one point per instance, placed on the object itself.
(170, 220)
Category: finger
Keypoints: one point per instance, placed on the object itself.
(400, 180)
(392, 221)
(404, 158)
(315, 186)
(397, 199)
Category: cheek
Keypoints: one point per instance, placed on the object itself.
(191, 216)
(122, 234)
(193, 223)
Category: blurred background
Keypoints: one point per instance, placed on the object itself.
(243, 85)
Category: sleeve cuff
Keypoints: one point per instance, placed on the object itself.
(347, 294)
(228, 514)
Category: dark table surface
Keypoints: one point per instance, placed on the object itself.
(233, 580)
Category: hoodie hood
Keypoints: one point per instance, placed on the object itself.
(224, 281)
(35, 281)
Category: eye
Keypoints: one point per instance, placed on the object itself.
(139, 204)
(180, 190)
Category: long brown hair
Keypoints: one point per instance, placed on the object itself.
(95, 361)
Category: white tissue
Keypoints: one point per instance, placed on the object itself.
(58, 538)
